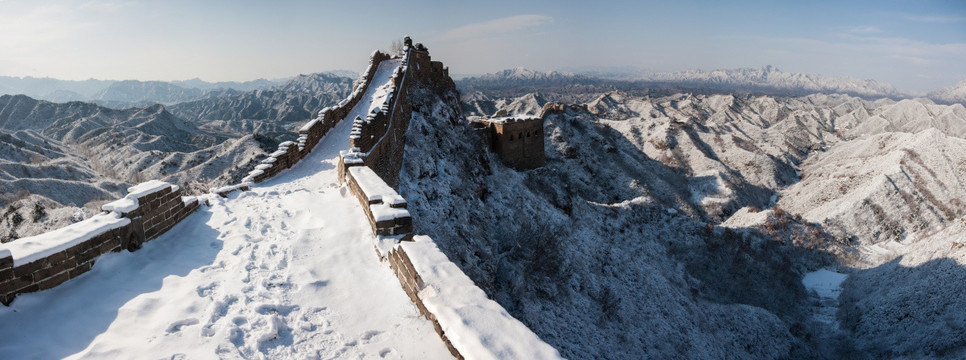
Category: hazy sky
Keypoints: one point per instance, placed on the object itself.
(915, 45)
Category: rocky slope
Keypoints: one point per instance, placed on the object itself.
(635, 185)
(587, 253)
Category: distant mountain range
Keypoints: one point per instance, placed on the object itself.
(950, 95)
(135, 93)
(769, 77)
(767, 80)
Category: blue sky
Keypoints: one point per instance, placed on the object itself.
(915, 45)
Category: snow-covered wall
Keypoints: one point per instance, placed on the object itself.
(41, 262)
(385, 209)
(291, 152)
(471, 325)
(380, 135)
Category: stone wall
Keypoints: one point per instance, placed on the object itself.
(384, 207)
(370, 170)
(469, 323)
(380, 136)
(291, 152)
(41, 262)
(412, 284)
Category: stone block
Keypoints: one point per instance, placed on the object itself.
(29, 268)
(56, 258)
(6, 262)
(148, 198)
(403, 220)
(80, 269)
(109, 246)
(28, 289)
(53, 280)
(88, 255)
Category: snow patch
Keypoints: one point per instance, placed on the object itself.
(827, 283)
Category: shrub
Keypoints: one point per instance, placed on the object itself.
(16, 219)
(39, 212)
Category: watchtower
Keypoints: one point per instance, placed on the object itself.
(517, 140)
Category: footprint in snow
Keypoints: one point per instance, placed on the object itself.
(205, 291)
(272, 309)
(177, 325)
(370, 334)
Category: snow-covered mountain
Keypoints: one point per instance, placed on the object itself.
(520, 81)
(950, 95)
(52, 89)
(295, 100)
(127, 93)
(140, 92)
(523, 74)
(768, 80)
(711, 205)
(771, 78)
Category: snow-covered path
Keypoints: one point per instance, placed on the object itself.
(286, 270)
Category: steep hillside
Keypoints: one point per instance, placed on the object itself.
(603, 266)
(887, 187)
(631, 185)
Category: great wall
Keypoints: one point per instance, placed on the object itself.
(470, 324)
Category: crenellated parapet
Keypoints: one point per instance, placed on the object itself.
(291, 152)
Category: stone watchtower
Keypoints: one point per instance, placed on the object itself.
(518, 140)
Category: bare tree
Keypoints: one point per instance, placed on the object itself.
(396, 48)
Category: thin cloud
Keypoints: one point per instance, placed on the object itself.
(866, 29)
(915, 60)
(938, 19)
(496, 27)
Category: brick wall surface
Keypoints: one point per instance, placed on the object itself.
(157, 212)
